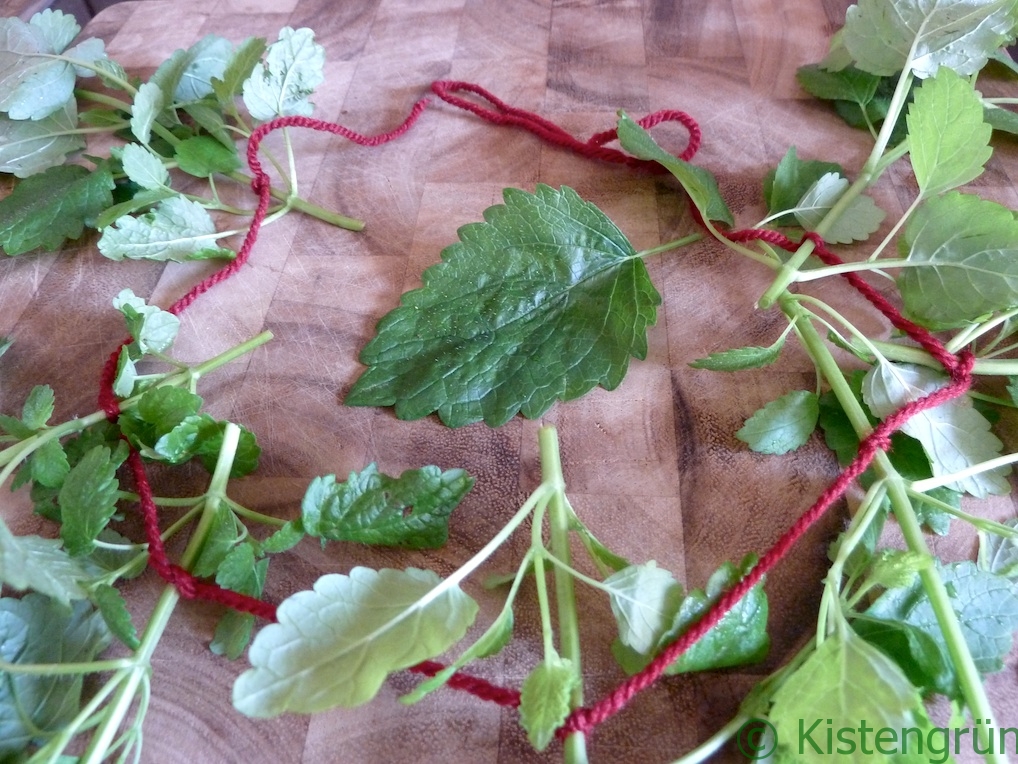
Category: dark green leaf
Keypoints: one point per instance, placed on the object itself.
(240, 572)
(923, 659)
(88, 499)
(986, 605)
(203, 155)
(542, 302)
(14, 426)
(158, 412)
(789, 182)
(701, 186)
(371, 508)
(116, 615)
(47, 209)
(36, 629)
(848, 84)
(233, 634)
(210, 442)
(207, 115)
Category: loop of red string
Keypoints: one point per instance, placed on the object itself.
(497, 112)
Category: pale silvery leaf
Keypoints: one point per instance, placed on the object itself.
(144, 167)
(28, 147)
(281, 86)
(999, 554)
(855, 223)
(35, 81)
(958, 34)
(57, 27)
(154, 329)
(954, 435)
(644, 600)
(206, 59)
(176, 229)
(148, 102)
(335, 645)
(33, 562)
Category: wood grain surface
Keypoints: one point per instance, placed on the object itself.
(653, 467)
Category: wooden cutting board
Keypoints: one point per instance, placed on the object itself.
(653, 467)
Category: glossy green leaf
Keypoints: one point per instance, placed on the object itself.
(856, 222)
(35, 629)
(223, 534)
(701, 186)
(969, 250)
(335, 645)
(45, 210)
(284, 539)
(371, 508)
(28, 147)
(544, 699)
(176, 229)
(32, 562)
(954, 435)
(283, 84)
(48, 464)
(949, 143)
(783, 424)
(542, 302)
(880, 35)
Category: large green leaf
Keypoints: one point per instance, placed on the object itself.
(845, 683)
(335, 645)
(969, 250)
(371, 508)
(176, 229)
(949, 142)
(88, 498)
(35, 629)
(954, 434)
(644, 600)
(30, 146)
(542, 302)
(47, 209)
(986, 605)
(958, 34)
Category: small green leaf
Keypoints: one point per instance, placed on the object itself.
(116, 615)
(239, 571)
(37, 630)
(894, 568)
(32, 562)
(961, 35)
(241, 64)
(203, 155)
(783, 424)
(144, 167)
(739, 359)
(210, 441)
(701, 186)
(370, 508)
(544, 699)
(49, 465)
(848, 84)
(233, 634)
(154, 330)
(158, 412)
(788, 183)
(954, 434)
(292, 70)
(856, 222)
(223, 535)
(999, 118)
(645, 600)
(999, 554)
(986, 605)
(969, 248)
(148, 104)
(29, 146)
(335, 645)
(88, 499)
(542, 302)
(176, 229)
(286, 538)
(844, 680)
(46, 210)
(38, 407)
(949, 143)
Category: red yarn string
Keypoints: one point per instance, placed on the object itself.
(500, 113)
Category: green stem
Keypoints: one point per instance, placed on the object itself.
(308, 208)
(565, 594)
(669, 246)
(968, 675)
(121, 704)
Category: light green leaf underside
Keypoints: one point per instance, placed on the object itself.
(176, 229)
(334, 645)
(282, 85)
(856, 222)
(954, 435)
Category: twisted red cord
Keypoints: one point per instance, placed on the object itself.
(500, 113)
